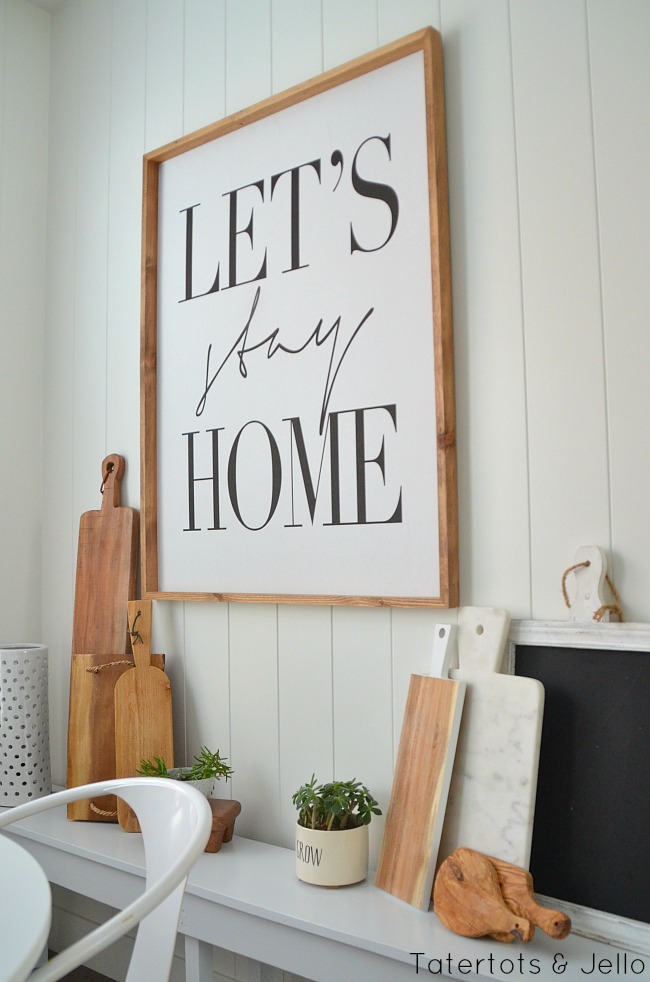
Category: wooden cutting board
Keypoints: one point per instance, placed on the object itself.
(423, 770)
(91, 729)
(491, 800)
(105, 581)
(106, 568)
(143, 709)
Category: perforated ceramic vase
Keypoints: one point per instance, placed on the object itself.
(332, 859)
(24, 724)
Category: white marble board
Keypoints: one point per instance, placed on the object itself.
(491, 800)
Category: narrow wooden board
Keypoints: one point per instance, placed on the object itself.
(143, 709)
(423, 770)
(91, 729)
(106, 569)
(105, 581)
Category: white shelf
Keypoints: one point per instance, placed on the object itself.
(247, 898)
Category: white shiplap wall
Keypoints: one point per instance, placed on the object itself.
(24, 66)
(549, 150)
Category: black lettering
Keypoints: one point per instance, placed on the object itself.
(371, 189)
(233, 232)
(276, 476)
(189, 258)
(192, 479)
(295, 209)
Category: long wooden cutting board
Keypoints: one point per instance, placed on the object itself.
(143, 709)
(105, 581)
(491, 801)
(106, 568)
(423, 770)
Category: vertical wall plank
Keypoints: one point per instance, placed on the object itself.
(397, 20)
(205, 63)
(91, 259)
(487, 301)
(248, 53)
(207, 695)
(255, 718)
(24, 72)
(562, 311)
(127, 121)
(363, 704)
(164, 80)
(621, 96)
(305, 703)
(60, 522)
(297, 42)
(349, 30)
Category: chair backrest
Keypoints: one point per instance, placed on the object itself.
(176, 822)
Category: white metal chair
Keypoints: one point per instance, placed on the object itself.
(176, 822)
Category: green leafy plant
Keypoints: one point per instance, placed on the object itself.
(157, 768)
(334, 806)
(207, 764)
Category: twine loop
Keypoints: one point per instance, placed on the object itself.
(101, 811)
(109, 664)
(613, 608)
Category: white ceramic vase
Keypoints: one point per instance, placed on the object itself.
(332, 859)
(24, 723)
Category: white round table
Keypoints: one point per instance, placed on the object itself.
(25, 911)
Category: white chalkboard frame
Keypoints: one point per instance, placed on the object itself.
(388, 572)
(597, 925)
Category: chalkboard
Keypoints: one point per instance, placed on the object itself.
(591, 841)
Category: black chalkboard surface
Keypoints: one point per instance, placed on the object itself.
(591, 837)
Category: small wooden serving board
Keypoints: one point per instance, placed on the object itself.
(423, 770)
(91, 728)
(143, 709)
(491, 800)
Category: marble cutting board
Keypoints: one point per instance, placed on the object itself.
(491, 800)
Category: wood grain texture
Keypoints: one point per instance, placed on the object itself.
(468, 900)
(419, 793)
(106, 569)
(143, 710)
(91, 729)
(105, 581)
(517, 889)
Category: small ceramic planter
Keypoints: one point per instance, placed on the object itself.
(205, 785)
(332, 859)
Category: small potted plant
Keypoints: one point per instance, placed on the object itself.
(207, 768)
(332, 832)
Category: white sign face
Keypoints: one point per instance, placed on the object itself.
(296, 417)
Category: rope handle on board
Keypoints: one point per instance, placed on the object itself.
(615, 608)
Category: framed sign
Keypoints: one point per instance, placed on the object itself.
(298, 434)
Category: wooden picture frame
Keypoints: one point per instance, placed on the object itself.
(297, 382)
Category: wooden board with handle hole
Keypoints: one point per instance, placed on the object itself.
(105, 581)
(143, 709)
(423, 771)
(491, 803)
